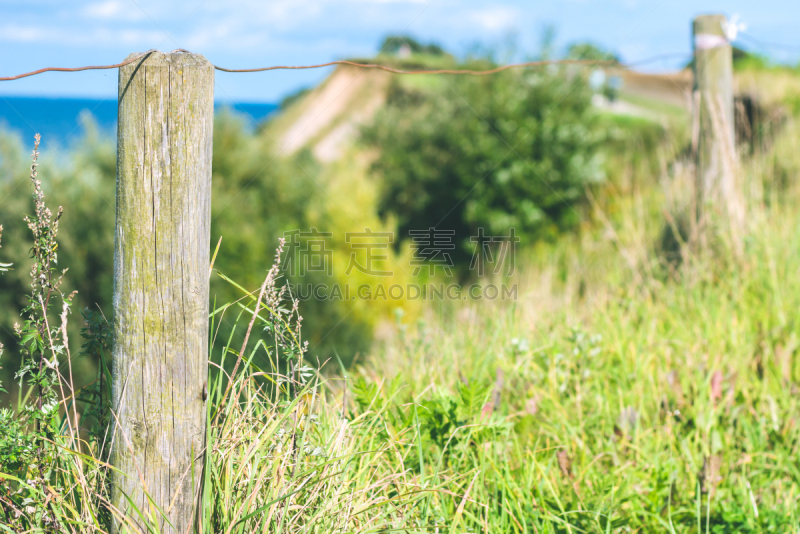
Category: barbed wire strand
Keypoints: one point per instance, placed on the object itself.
(768, 44)
(77, 69)
(473, 72)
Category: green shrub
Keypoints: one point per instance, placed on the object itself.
(495, 152)
(257, 196)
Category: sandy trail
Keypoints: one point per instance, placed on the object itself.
(335, 101)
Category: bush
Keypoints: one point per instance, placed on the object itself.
(85, 185)
(53, 442)
(496, 152)
(257, 196)
(590, 51)
(392, 44)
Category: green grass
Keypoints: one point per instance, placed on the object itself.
(667, 405)
(625, 395)
(619, 394)
(667, 110)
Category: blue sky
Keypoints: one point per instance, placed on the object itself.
(248, 33)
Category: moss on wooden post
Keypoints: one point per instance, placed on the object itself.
(161, 258)
(713, 87)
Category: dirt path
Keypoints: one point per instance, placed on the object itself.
(335, 109)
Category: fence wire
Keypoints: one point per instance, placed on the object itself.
(473, 72)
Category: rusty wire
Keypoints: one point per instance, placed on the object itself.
(77, 69)
(586, 62)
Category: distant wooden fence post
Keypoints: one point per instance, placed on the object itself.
(714, 120)
(161, 258)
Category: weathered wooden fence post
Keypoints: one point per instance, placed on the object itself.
(714, 120)
(161, 258)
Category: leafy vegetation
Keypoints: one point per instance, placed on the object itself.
(662, 404)
(622, 392)
(257, 197)
(513, 150)
(393, 44)
(590, 51)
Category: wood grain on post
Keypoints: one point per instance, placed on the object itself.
(713, 86)
(161, 285)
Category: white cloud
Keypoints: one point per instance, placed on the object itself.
(495, 18)
(114, 10)
(390, 1)
(67, 37)
(104, 10)
(21, 34)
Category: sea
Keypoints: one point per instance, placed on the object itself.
(62, 121)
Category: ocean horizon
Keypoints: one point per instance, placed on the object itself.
(60, 121)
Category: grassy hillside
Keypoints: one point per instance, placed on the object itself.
(620, 393)
(636, 384)
(617, 394)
